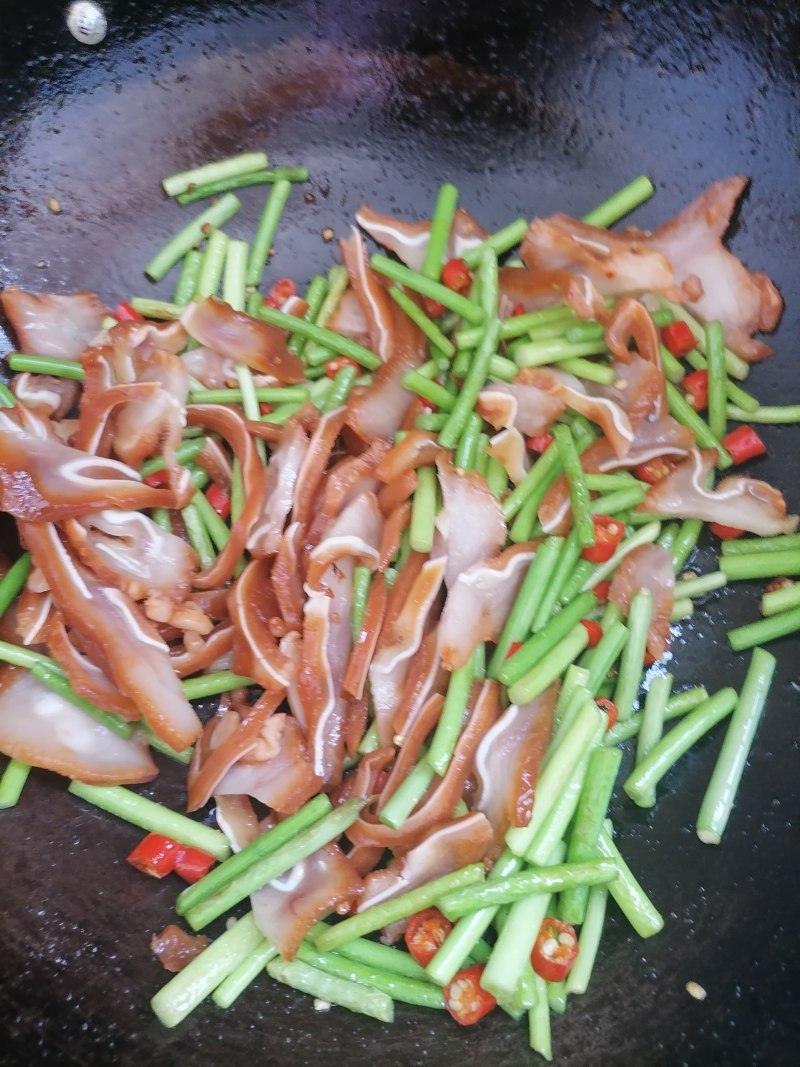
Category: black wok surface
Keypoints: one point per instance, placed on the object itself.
(529, 108)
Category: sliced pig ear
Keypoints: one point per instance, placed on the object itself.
(738, 501)
(409, 240)
(743, 301)
(42, 728)
(648, 567)
(473, 519)
(355, 533)
(60, 326)
(377, 307)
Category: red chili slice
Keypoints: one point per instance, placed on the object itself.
(743, 443)
(725, 533)
(155, 855)
(518, 309)
(610, 708)
(219, 501)
(608, 532)
(192, 864)
(539, 442)
(555, 950)
(333, 366)
(157, 479)
(594, 630)
(464, 997)
(425, 934)
(654, 470)
(432, 308)
(280, 293)
(456, 275)
(695, 386)
(123, 312)
(601, 590)
(513, 648)
(678, 338)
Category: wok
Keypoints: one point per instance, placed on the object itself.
(529, 108)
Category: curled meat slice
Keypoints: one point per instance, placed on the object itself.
(40, 727)
(349, 319)
(254, 612)
(473, 519)
(286, 908)
(355, 533)
(478, 604)
(86, 678)
(174, 948)
(52, 398)
(507, 764)
(126, 548)
(574, 394)
(409, 240)
(147, 427)
(742, 300)
(41, 478)
(110, 624)
(647, 567)
(277, 770)
(238, 821)
(417, 449)
(520, 404)
(240, 337)
(49, 325)
(739, 501)
(376, 305)
(282, 473)
(311, 474)
(510, 450)
(445, 849)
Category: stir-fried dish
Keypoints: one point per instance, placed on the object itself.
(421, 533)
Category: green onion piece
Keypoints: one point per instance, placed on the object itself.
(338, 393)
(520, 618)
(778, 600)
(776, 564)
(233, 287)
(184, 454)
(154, 817)
(266, 230)
(646, 776)
(718, 800)
(632, 900)
(428, 390)
(244, 974)
(515, 941)
(745, 545)
(411, 279)
(314, 297)
(449, 726)
(187, 280)
(683, 411)
(678, 705)
(57, 368)
(418, 316)
(471, 387)
(519, 325)
(536, 648)
(182, 993)
(685, 541)
(216, 527)
(213, 217)
(344, 346)
(640, 615)
(156, 309)
(621, 203)
(500, 242)
(545, 673)
(406, 990)
(522, 528)
(539, 1035)
(565, 565)
(27, 658)
(280, 415)
(517, 886)
(400, 907)
(618, 501)
(717, 379)
(256, 177)
(439, 236)
(652, 725)
(578, 491)
(334, 990)
(423, 510)
(589, 940)
(769, 629)
(535, 483)
(466, 453)
(672, 367)
(212, 266)
(557, 996)
(589, 815)
(591, 372)
(12, 782)
(408, 794)
(556, 772)
(7, 398)
(232, 167)
(431, 421)
(540, 353)
(213, 684)
(255, 875)
(13, 581)
(265, 845)
(383, 958)
(184, 756)
(606, 654)
(279, 394)
(768, 415)
(198, 536)
(702, 585)
(362, 579)
(56, 681)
